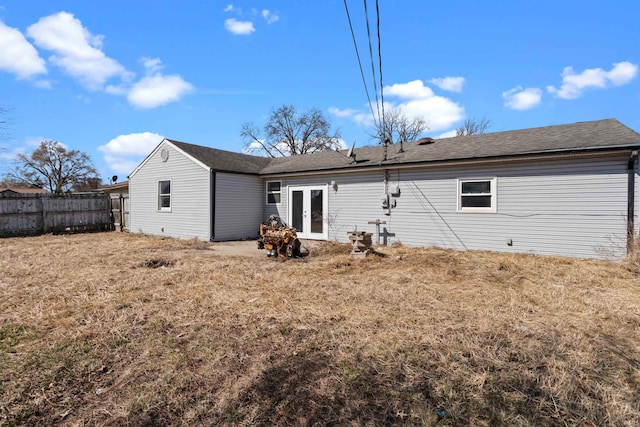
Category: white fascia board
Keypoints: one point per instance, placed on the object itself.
(146, 159)
(158, 147)
(188, 156)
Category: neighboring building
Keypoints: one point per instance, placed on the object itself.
(119, 196)
(17, 190)
(557, 190)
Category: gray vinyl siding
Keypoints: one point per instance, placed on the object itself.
(281, 209)
(190, 197)
(637, 199)
(239, 203)
(575, 206)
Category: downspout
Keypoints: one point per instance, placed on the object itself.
(212, 190)
(631, 192)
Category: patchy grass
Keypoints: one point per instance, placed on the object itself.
(92, 333)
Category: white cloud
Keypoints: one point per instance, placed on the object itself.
(35, 141)
(124, 152)
(622, 73)
(239, 27)
(419, 101)
(447, 134)
(229, 8)
(18, 56)
(269, 16)
(452, 84)
(347, 112)
(152, 65)
(75, 49)
(11, 155)
(256, 148)
(574, 84)
(156, 90)
(360, 117)
(522, 99)
(29, 144)
(42, 84)
(411, 90)
(116, 89)
(416, 101)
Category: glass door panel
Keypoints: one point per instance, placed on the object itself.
(297, 210)
(317, 212)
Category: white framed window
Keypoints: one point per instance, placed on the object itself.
(477, 195)
(164, 195)
(274, 192)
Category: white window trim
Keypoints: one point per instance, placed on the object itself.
(266, 193)
(170, 195)
(493, 194)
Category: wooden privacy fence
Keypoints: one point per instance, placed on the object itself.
(34, 214)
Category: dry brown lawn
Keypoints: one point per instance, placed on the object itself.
(116, 329)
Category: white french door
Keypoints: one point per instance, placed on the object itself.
(308, 207)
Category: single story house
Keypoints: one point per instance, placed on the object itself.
(20, 190)
(557, 190)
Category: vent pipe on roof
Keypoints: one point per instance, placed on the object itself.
(425, 141)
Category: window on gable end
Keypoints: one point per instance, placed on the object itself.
(164, 195)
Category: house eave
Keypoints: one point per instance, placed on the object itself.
(178, 149)
(521, 157)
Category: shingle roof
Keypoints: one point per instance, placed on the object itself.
(582, 136)
(23, 190)
(124, 185)
(222, 160)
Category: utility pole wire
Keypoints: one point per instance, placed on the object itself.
(373, 70)
(364, 80)
(380, 63)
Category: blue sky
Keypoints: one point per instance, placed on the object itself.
(113, 78)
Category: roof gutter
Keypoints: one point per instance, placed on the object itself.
(631, 192)
(449, 163)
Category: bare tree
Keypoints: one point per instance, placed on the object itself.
(397, 127)
(88, 184)
(52, 167)
(288, 133)
(473, 126)
(7, 182)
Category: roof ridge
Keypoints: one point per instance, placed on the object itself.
(560, 138)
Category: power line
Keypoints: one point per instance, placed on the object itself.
(364, 81)
(380, 63)
(373, 71)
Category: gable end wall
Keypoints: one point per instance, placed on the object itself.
(190, 197)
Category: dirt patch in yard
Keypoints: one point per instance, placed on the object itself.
(90, 335)
(249, 248)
